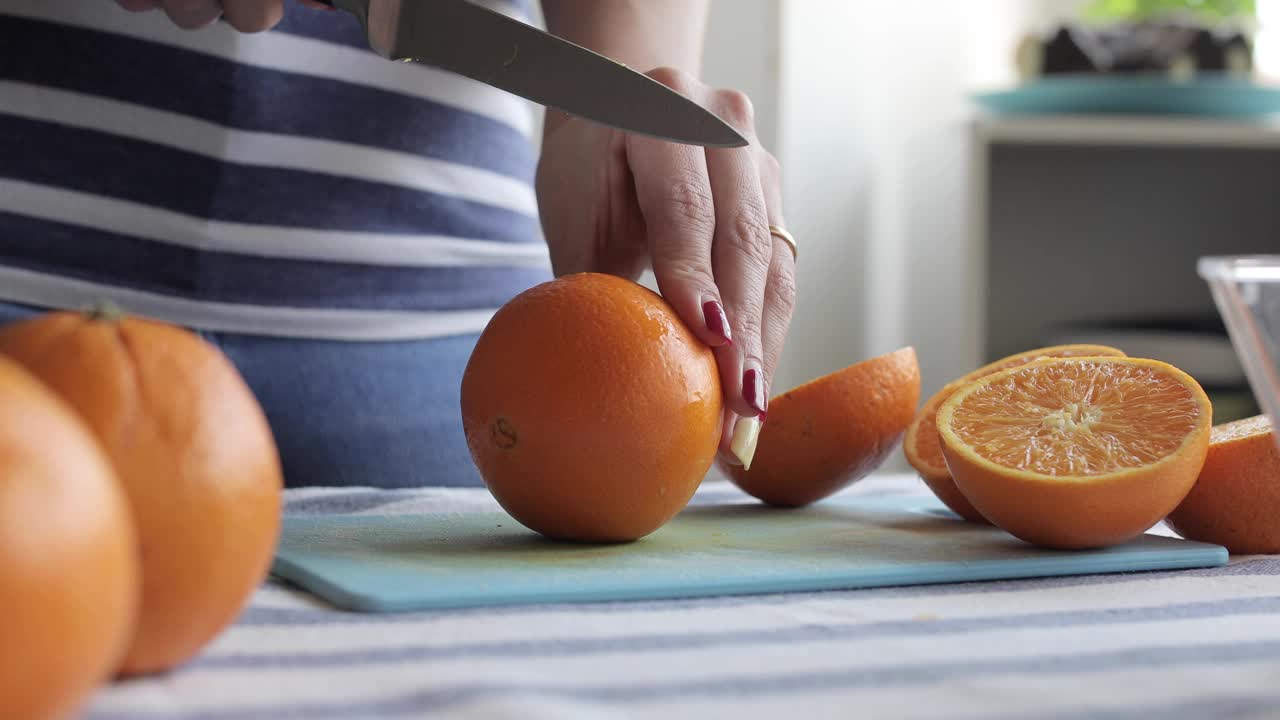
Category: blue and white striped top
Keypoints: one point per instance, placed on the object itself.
(287, 183)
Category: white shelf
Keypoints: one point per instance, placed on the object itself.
(1127, 130)
(967, 307)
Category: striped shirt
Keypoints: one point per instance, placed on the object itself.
(285, 183)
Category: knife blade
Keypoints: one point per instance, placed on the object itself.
(484, 45)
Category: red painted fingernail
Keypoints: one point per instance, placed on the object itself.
(717, 321)
(753, 390)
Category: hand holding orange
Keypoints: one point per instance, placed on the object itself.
(593, 414)
(590, 409)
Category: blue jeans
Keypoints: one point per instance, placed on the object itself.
(382, 414)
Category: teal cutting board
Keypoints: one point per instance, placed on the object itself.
(419, 562)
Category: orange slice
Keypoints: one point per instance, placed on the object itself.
(1077, 452)
(923, 448)
(832, 431)
(1236, 501)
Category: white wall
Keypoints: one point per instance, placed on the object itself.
(866, 105)
(742, 52)
(918, 245)
(826, 153)
(873, 141)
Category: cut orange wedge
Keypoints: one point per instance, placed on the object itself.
(1077, 452)
(1236, 500)
(831, 432)
(923, 448)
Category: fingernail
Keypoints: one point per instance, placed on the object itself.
(746, 434)
(717, 321)
(754, 391)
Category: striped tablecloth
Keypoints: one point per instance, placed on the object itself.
(1168, 645)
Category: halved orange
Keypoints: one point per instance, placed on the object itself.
(831, 432)
(923, 448)
(1236, 500)
(1077, 452)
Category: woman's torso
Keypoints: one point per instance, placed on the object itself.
(287, 183)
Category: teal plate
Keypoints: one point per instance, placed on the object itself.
(1213, 96)
(419, 562)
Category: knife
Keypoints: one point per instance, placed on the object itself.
(473, 41)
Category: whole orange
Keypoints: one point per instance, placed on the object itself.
(1236, 499)
(191, 447)
(833, 431)
(591, 410)
(68, 565)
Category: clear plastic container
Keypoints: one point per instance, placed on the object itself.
(1246, 289)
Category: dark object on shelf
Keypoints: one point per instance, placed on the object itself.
(1208, 53)
(1063, 54)
(1170, 48)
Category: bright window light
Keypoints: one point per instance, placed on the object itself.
(1266, 51)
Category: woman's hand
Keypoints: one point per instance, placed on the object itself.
(615, 202)
(243, 15)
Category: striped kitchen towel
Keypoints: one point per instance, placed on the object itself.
(1169, 645)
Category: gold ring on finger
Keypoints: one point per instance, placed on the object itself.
(785, 237)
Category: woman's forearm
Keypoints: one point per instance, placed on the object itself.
(642, 34)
